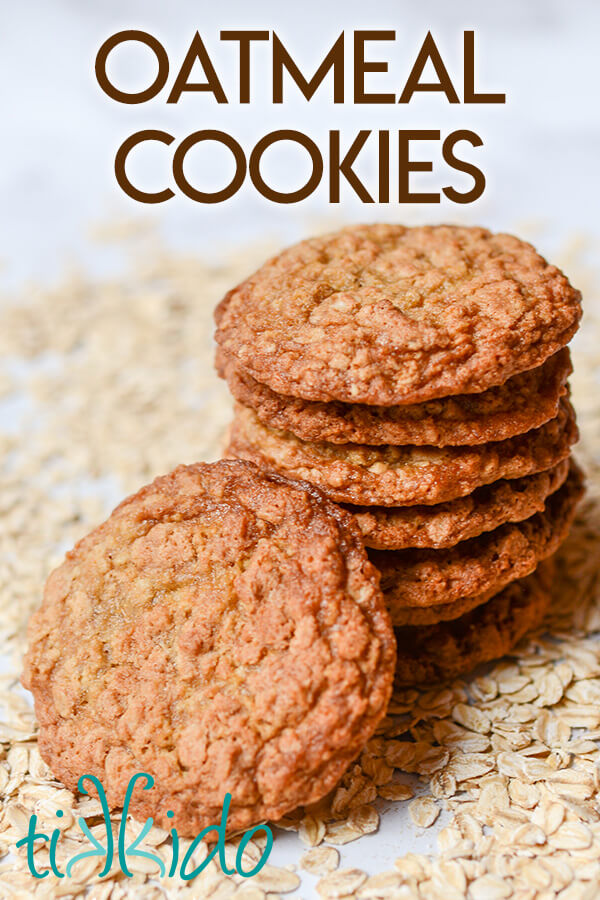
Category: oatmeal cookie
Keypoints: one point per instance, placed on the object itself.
(481, 565)
(385, 315)
(524, 402)
(441, 612)
(365, 475)
(447, 524)
(222, 631)
(435, 652)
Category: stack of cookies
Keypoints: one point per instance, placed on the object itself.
(418, 376)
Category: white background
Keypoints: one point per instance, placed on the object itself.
(60, 132)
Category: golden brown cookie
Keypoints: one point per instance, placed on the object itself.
(401, 476)
(481, 565)
(222, 631)
(384, 315)
(524, 402)
(446, 524)
(441, 612)
(435, 652)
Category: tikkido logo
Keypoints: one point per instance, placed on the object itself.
(132, 850)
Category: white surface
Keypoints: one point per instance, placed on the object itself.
(60, 133)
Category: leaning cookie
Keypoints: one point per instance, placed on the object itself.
(436, 652)
(482, 565)
(222, 631)
(384, 315)
(447, 524)
(524, 402)
(401, 476)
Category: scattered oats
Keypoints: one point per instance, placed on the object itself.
(413, 866)
(431, 760)
(579, 891)
(472, 718)
(442, 700)
(577, 715)
(585, 692)
(560, 871)
(449, 837)
(224, 889)
(320, 860)
(469, 827)
(575, 792)
(535, 875)
(249, 892)
(376, 769)
(484, 688)
(423, 811)
(585, 812)
(142, 865)
(564, 671)
(582, 747)
(527, 694)
(311, 831)
(571, 836)
(489, 887)
(511, 681)
(450, 877)
(470, 765)
(342, 833)
(548, 816)
(493, 799)
(522, 794)
(455, 736)
(38, 769)
(401, 754)
(380, 886)
(364, 818)
(354, 790)
(443, 785)
(550, 688)
(396, 791)
(341, 883)
(274, 879)
(551, 730)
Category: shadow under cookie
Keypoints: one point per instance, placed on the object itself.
(437, 652)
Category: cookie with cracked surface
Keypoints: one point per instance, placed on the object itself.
(524, 402)
(433, 653)
(222, 631)
(384, 315)
(366, 475)
(447, 524)
(482, 565)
